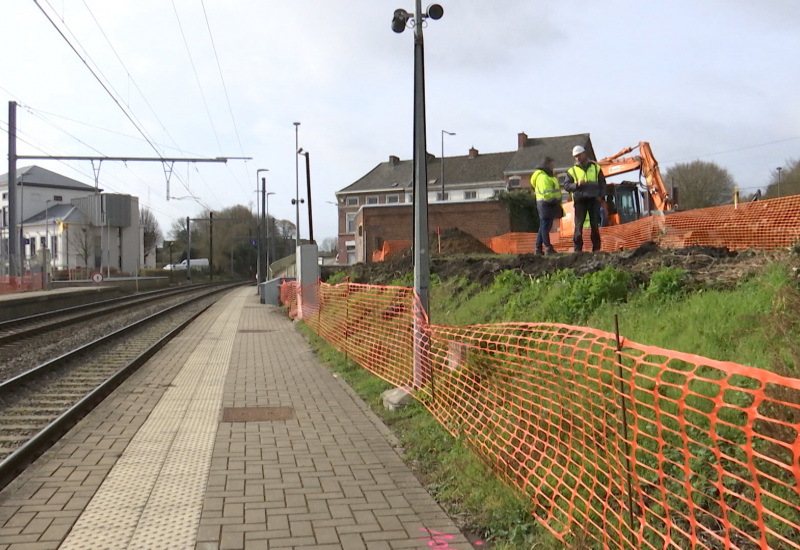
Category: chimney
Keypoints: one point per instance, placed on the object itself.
(393, 160)
(473, 152)
(522, 140)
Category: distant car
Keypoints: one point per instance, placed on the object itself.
(197, 263)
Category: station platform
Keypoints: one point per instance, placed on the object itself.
(232, 436)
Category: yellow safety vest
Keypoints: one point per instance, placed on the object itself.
(545, 186)
(590, 175)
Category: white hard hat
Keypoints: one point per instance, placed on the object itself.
(577, 150)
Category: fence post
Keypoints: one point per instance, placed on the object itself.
(624, 410)
(347, 318)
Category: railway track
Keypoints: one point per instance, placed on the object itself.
(29, 341)
(39, 405)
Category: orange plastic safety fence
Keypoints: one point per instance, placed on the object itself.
(633, 445)
(765, 225)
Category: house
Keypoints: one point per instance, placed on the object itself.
(66, 224)
(377, 207)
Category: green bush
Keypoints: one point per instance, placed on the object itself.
(666, 283)
(336, 278)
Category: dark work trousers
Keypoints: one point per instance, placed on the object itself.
(583, 207)
(543, 236)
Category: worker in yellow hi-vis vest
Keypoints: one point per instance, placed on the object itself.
(587, 184)
(548, 202)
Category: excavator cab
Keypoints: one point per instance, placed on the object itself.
(624, 201)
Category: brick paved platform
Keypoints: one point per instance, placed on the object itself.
(232, 436)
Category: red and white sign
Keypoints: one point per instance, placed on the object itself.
(97, 277)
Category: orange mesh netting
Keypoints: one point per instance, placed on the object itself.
(765, 224)
(637, 446)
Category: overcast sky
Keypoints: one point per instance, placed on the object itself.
(712, 80)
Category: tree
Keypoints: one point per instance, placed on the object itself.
(82, 240)
(789, 181)
(330, 244)
(701, 184)
(151, 232)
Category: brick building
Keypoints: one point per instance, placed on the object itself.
(378, 207)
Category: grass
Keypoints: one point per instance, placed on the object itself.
(470, 493)
(739, 325)
(756, 323)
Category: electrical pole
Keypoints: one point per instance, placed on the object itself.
(14, 254)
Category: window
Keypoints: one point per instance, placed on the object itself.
(392, 199)
(43, 242)
(352, 201)
(53, 246)
(470, 195)
(442, 196)
(351, 223)
(372, 200)
(33, 247)
(58, 198)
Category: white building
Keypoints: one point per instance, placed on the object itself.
(66, 224)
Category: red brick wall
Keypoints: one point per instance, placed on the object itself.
(481, 219)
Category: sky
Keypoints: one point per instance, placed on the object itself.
(708, 80)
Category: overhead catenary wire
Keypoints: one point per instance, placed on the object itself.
(130, 77)
(127, 114)
(196, 76)
(35, 144)
(109, 89)
(224, 86)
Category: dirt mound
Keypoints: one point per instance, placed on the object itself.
(705, 266)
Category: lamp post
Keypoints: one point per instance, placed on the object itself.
(297, 184)
(308, 192)
(442, 160)
(779, 168)
(47, 253)
(266, 210)
(259, 270)
(420, 250)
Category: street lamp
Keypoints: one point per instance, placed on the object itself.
(266, 210)
(297, 184)
(420, 248)
(259, 270)
(779, 168)
(442, 161)
(308, 193)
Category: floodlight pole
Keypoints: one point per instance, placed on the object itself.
(260, 239)
(420, 251)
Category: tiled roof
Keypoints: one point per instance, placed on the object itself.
(37, 176)
(477, 168)
(559, 148)
(54, 212)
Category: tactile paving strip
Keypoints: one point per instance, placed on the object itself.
(153, 496)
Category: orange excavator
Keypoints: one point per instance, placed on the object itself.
(628, 201)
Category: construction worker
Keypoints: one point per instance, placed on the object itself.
(548, 202)
(587, 184)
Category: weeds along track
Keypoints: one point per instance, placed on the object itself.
(39, 405)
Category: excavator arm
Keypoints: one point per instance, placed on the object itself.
(646, 163)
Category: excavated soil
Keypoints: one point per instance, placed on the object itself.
(463, 255)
